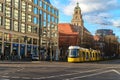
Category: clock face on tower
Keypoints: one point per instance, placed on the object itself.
(76, 12)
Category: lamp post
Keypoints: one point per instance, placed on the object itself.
(40, 31)
(50, 42)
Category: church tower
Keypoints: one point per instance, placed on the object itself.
(78, 23)
(77, 17)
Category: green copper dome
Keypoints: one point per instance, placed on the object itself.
(77, 7)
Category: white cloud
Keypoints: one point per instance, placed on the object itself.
(93, 11)
(98, 18)
(116, 23)
(88, 6)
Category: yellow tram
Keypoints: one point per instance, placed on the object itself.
(78, 54)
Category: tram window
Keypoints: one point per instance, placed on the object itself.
(93, 54)
(74, 53)
(83, 54)
(90, 55)
(87, 55)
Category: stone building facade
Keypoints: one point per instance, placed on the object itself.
(20, 26)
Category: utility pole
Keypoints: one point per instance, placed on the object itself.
(50, 40)
(40, 32)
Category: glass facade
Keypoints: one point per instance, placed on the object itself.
(20, 32)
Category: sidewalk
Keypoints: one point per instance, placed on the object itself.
(29, 62)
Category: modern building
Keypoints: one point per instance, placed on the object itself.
(25, 23)
(106, 41)
(104, 32)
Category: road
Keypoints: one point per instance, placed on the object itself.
(41, 70)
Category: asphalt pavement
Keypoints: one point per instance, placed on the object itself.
(44, 70)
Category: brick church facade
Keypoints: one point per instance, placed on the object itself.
(74, 33)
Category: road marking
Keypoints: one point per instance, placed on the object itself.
(117, 72)
(91, 75)
(6, 73)
(15, 77)
(4, 79)
(69, 74)
(20, 69)
(6, 76)
(25, 78)
(36, 78)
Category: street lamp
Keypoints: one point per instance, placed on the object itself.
(50, 42)
(40, 32)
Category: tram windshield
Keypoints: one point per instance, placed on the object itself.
(73, 53)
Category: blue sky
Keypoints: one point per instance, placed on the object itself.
(97, 14)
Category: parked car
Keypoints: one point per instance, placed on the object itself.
(35, 57)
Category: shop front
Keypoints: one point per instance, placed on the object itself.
(22, 51)
(7, 49)
(28, 51)
(15, 49)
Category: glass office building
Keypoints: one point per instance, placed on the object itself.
(19, 26)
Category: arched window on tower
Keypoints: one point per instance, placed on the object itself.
(76, 17)
(76, 12)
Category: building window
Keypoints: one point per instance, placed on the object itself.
(49, 8)
(15, 26)
(31, 0)
(53, 19)
(15, 38)
(21, 39)
(15, 14)
(23, 5)
(34, 29)
(35, 10)
(1, 7)
(7, 23)
(40, 11)
(57, 13)
(40, 3)
(35, 20)
(1, 18)
(44, 16)
(16, 3)
(44, 24)
(34, 41)
(22, 28)
(45, 7)
(7, 11)
(8, 2)
(7, 37)
(29, 28)
(29, 18)
(23, 16)
(29, 8)
(56, 21)
(35, 1)
(29, 40)
(48, 17)
(52, 10)
(1, 36)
